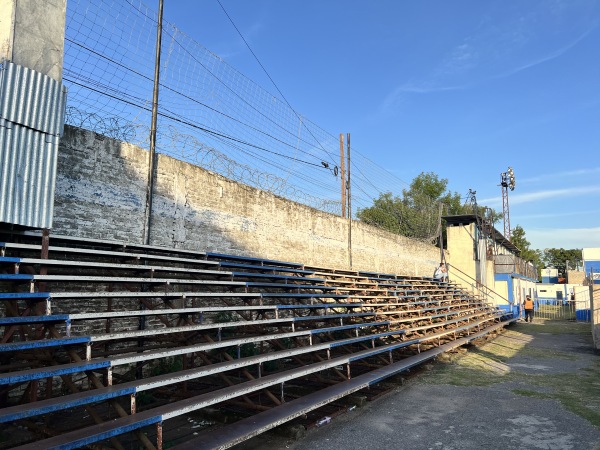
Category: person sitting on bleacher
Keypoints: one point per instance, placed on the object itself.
(441, 273)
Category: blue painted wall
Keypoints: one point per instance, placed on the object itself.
(550, 280)
(592, 266)
(515, 309)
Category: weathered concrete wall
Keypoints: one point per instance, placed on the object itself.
(575, 276)
(100, 187)
(461, 254)
(32, 34)
(101, 194)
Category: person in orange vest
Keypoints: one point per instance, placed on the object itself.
(528, 307)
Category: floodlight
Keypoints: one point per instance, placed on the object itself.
(507, 181)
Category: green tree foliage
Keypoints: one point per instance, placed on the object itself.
(558, 257)
(550, 257)
(387, 213)
(416, 212)
(517, 237)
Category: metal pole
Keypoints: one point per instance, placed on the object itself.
(505, 210)
(151, 167)
(349, 205)
(152, 153)
(441, 228)
(343, 174)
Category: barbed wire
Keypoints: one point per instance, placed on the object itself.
(112, 127)
(194, 151)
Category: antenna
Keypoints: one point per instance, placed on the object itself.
(507, 181)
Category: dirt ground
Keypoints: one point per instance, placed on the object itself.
(535, 386)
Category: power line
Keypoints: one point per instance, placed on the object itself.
(269, 76)
(196, 126)
(187, 96)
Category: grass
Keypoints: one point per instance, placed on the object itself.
(559, 327)
(579, 394)
(577, 391)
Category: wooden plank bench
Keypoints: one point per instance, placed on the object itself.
(253, 260)
(133, 387)
(46, 406)
(33, 374)
(36, 296)
(129, 359)
(15, 277)
(259, 268)
(152, 294)
(250, 275)
(79, 264)
(244, 429)
(119, 426)
(114, 245)
(4, 246)
(259, 285)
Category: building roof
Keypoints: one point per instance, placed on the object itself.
(466, 219)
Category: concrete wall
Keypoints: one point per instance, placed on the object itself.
(591, 263)
(595, 313)
(500, 288)
(551, 291)
(100, 187)
(101, 194)
(575, 276)
(461, 252)
(32, 34)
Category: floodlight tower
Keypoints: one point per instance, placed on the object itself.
(507, 181)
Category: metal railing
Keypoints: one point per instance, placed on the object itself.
(514, 264)
(489, 295)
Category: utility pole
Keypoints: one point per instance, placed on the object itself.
(343, 174)
(349, 205)
(151, 167)
(152, 152)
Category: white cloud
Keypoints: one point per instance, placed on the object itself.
(569, 173)
(395, 97)
(555, 54)
(494, 50)
(567, 238)
(556, 215)
(516, 199)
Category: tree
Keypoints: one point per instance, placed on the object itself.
(385, 213)
(558, 257)
(517, 237)
(417, 212)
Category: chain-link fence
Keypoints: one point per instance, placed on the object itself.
(209, 113)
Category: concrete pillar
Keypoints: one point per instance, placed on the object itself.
(595, 313)
(32, 34)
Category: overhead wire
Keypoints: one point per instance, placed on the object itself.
(173, 117)
(269, 76)
(186, 96)
(227, 87)
(242, 117)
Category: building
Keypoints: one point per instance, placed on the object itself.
(483, 260)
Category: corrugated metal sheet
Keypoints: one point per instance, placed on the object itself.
(31, 99)
(31, 120)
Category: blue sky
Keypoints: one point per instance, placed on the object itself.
(460, 88)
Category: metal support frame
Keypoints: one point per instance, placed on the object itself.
(451, 326)
(505, 212)
(507, 181)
